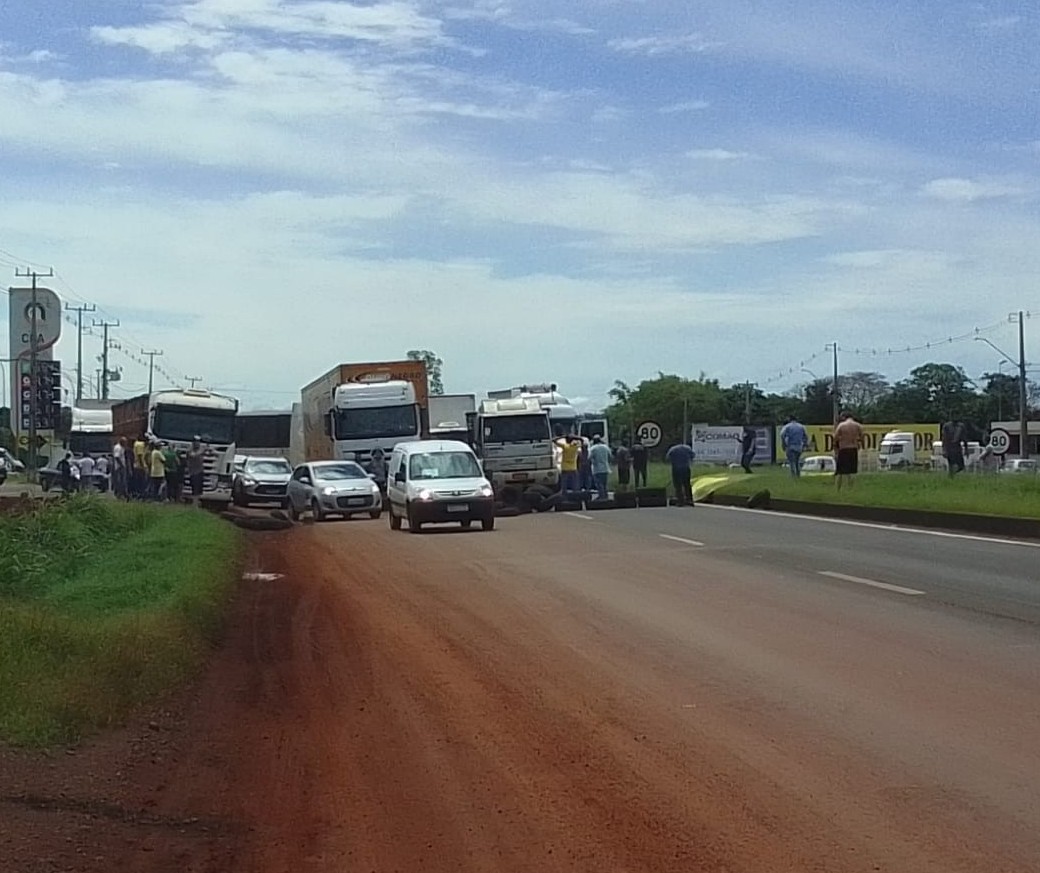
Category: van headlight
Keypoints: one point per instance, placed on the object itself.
(425, 494)
(487, 491)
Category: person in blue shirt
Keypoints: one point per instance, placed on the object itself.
(599, 464)
(794, 439)
(680, 457)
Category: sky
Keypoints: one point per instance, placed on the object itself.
(537, 190)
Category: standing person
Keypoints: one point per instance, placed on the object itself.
(954, 446)
(623, 457)
(794, 439)
(680, 458)
(569, 451)
(848, 437)
(196, 468)
(65, 469)
(172, 465)
(748, 445)
(640, 457)
(599, 465)
(157, 471)
(584, 466)
(86, 472)
(120, 483)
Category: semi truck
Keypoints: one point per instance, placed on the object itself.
(563, 417)
(176, 417)
(450, 416)
(513, 438)
(90, 430)
(353, 409)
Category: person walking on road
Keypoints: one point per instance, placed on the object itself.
(848, 437)
(680, 458)
(954, 446)
(196, 468)
(599, 464)
(793, 440)
(748, 445)
(639, 463)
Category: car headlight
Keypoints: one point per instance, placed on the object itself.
(425, 494)
(487, 491)
(248, 480)
(328, 491)
(375, 488)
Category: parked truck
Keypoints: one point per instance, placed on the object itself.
(563, 417)
(263, 433)
(353, 409)
(90, 430)
(176, 417)
(450, 416)
(513, 438)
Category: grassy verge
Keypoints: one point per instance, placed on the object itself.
(1012, 496)
(104, 606)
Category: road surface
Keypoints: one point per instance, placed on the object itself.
(597, 692)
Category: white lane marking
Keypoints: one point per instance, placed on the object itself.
(579, 515)
(859, 580)
(878, 526)
(680, 540)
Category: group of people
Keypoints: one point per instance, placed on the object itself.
(848, 438)
(138, 470)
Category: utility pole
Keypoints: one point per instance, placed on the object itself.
(151, 365)
(1023, 411)
(193, 380)
(748, 386)
(79, 310)
(105, 325)
(34, 401)
(835, 399)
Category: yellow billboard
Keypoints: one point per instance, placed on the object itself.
(821, 437)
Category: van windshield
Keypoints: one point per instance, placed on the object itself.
(443, 465)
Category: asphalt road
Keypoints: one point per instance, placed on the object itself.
(597, 692)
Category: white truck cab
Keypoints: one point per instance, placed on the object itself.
(514, 438)
(896, 451)
(370, 415)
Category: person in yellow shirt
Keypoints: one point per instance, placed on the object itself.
(157, 471)
(570, 449)
(139, 472)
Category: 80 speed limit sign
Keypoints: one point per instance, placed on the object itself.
(649, 434)
(999, 441)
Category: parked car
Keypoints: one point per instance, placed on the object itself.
(260, 480)
(326, 488)
(437, 481)
(818, 464)
(1019, 465)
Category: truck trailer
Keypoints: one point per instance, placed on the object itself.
(263, 434)
(354, 409)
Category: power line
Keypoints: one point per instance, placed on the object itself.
(105, 325)
(151, 365)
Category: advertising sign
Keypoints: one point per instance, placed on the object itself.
(721, 444)
(46, 313)
(821, 437)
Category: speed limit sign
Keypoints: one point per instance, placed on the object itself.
(649, 434)
(999, 441)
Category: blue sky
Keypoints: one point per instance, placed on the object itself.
(577, 192)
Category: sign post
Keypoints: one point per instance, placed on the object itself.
(649, 434)
(999, 441)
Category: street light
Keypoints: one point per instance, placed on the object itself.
(1023, 412)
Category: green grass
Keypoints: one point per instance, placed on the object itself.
(103, 607)
(999, 495)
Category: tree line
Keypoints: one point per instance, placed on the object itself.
(930, 393)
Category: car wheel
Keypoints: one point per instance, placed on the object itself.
(487, 523)
(467, 524)
(395, 520)
(290, 507)
(413, 525)
(236, 497)
(375, 513)
(317, 513)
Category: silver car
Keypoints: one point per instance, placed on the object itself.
(260, 480)
(326, 488)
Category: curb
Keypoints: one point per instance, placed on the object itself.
(1016, 527)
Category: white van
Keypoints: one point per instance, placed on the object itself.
(437, 481)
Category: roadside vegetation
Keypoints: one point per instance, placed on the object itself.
(103, 607)
(998, 495)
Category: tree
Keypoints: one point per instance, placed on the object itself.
(434, 368)
(860, 392)
(664, 400)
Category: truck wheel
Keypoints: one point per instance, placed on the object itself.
(487, 523)
(395, 520)
(317, 513)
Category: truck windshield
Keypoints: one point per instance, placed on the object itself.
(184, 423)
(379, 421)
(515, 428)
(90, 443)
(891, 449)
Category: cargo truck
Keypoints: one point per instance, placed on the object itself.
(176, 417)
(450, 416)
(90, 430)
(563, 417)
(354, 409)
(263, 434)
(513, 439)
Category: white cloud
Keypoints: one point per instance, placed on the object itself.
(685, 106)
(1001, 23)
(717, 155)
(953, 190)
(665, 44)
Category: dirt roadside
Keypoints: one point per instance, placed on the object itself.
(376, 709)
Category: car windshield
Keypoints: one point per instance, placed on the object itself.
(515, 428)
(443, 465)
(269, 467)
(379, 421)
(182, 423)
(346, 470)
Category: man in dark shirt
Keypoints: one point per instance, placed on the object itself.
(623, 459)
(953, 446)
(748, 444)
(639, 463)
(680, 457)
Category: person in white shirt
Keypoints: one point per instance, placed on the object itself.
(101, 466)
(86, 472)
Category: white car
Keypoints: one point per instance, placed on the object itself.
(260, 480)
(1019, 465)
(818, 464)
(326, 488)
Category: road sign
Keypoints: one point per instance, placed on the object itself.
(999, 441)
(649, 434)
